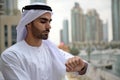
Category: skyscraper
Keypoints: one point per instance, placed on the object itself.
(94, 27)
(116, 19)
(78, 23)
(105, 32)
(65, 34)
(61, 35)
(44, 1)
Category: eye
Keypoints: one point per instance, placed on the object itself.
(43, 21)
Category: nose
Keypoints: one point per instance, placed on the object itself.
(48, 26)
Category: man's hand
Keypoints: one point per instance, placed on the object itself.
(74, 64)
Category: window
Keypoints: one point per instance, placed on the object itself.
(13, 34)
(6, 35)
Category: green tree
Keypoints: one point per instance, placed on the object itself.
(74, 51)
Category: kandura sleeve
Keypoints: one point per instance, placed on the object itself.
(66, 54)
(11, 67)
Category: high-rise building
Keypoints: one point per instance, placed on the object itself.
(61, 35)
(8, 22)
(65, 34)
(88, 29)
(105, 32)
(78, 23)
(94, 27)
(44, 1)
(116, 19)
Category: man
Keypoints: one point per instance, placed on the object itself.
(34, 57)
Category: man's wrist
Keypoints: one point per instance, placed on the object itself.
(84, 69)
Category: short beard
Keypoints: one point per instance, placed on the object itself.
(39, 35)
(45, 36)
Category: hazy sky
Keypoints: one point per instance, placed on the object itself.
(62, 10)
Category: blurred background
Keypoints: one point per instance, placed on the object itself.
(87, 28)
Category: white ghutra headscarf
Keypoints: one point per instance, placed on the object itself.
(28, 16)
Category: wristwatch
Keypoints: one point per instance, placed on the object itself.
(84, 69)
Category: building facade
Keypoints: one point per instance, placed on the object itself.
(2, 7)
(10, 7)
(94, 27)
(105, 32)
(8, 22)
(8, 31)
(65, 34)
(44, 1)
(78, 23)
(116, 19)
(61, 35)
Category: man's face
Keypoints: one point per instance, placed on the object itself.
(40, 27)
